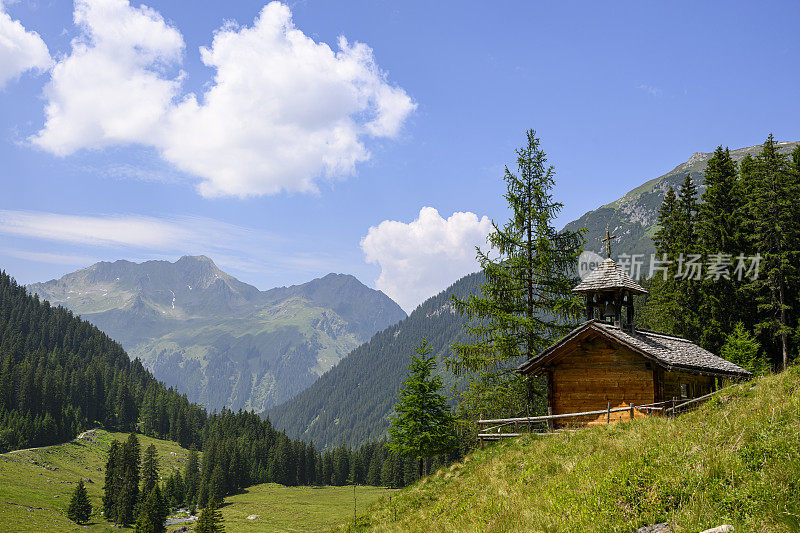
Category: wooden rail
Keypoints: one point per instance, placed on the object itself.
(669, 407)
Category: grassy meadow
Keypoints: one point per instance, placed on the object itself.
(37, 484)
(288, 509)
(735, 460)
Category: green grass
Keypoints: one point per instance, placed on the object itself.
(282, 508)
(36, 485)
(735, 460)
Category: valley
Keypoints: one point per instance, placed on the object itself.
(222, 342)
(24, 506)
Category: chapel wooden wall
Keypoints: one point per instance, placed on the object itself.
(669, 385)
(595, 373)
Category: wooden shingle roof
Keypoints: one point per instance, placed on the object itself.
(609, 275)
(668, 351)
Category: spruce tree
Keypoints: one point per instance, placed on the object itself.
(741, 347)
(526, 302)
(152, 513)
(687, 322)
(217, 488)
(149, 469)
(775, 230)
(79, 509)
(720, 236)
(129, 495)
(113, 481)
(191, 476)
(374, 470)
(423, 426)
(662, 305)
(210, 520)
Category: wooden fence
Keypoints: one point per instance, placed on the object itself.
(498, 426)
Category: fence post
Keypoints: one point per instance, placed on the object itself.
(550, 420)
(608, 414)
(632, 410)
(672, 411)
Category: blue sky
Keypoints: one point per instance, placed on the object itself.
(284, 153)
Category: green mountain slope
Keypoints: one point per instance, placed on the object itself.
(37, 484)
(223, 342)
(633, 217)
(734, 461)
(351, 403)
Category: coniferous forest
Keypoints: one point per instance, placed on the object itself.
(730, 256)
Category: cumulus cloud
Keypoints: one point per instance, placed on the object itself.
(282, 111)
(112, 88)
(20, 50)
(422, 257)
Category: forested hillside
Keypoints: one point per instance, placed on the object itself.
(220, 341)
(351, 403)
(61, 375)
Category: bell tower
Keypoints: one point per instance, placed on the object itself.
(608, 289)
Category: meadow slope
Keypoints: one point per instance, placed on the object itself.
(37, 484)
(735, 460)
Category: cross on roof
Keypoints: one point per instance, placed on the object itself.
(607, 240)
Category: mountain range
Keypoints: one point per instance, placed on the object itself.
(221, 341)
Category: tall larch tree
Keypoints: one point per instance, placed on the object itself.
(526, 301)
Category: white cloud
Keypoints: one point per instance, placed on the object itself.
(420, 258)
(282, 112)
(112, 230)
(50, 258)
(234, 246)
(111, 88)
(20, 50)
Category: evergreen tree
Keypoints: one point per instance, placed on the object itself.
(720, 235)
(662, 309)
(113, 481)
(526, 301)
(191, 476)
(149, 469)
(775, 230)
(216, 487)
(387, 475)
(743, 349)
(152, 513)
(79, 509)
(687, 287)
(375, 467)
(129, 494)
(675, 295)
(423, 426)
(210, 520)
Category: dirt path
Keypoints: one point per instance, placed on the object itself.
(83, 435)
